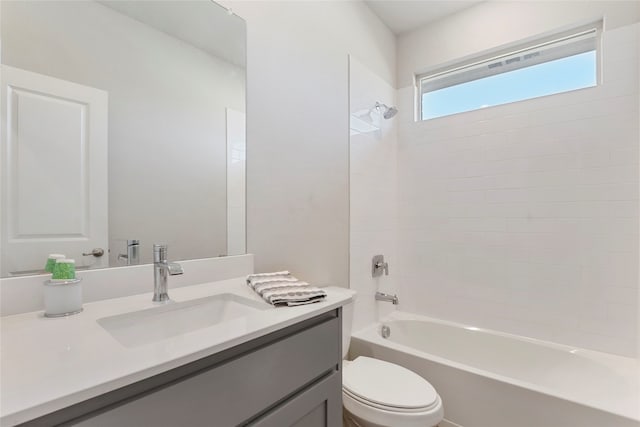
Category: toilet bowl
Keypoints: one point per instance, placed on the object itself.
(376, 393)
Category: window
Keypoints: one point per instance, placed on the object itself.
(558, 64)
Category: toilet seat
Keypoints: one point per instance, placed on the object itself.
(372, 405)
(383, 385)
(369, 416)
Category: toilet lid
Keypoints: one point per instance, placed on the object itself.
(387, 384)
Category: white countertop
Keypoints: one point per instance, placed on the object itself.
(49, 364)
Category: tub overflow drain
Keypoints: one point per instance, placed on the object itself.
(385, 331)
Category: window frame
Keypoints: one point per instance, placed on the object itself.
(566, 43)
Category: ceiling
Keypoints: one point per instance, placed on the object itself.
(402, 16)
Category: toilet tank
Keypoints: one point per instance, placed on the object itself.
(347, 324)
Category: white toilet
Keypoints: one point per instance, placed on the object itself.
(376, 393)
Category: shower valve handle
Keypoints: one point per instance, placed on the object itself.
(378, 266)
(384, 266)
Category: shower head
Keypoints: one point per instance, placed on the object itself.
(391, 111)
(387, 112)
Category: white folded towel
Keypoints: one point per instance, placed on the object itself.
(281, 288)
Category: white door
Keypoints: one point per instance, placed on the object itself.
(54, 171)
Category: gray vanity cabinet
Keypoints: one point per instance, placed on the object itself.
(317, 406)
(287, 378)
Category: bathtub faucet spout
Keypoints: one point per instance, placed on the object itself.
(381, 296)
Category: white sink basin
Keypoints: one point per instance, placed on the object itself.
(166, 321)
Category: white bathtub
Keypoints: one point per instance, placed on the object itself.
(487, 378)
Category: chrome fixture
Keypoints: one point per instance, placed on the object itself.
(96, 252)
(132, 257)
(161, 269)
(387, 112)
(381, 296)
(385, 331)
(378, 266)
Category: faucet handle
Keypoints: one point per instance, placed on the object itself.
(159, 252)
(160, 247)
(384, 266)
(378, 266)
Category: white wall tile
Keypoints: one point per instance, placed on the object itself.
(373, 195)
(523, 217)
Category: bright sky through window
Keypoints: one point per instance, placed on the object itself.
(560, 75)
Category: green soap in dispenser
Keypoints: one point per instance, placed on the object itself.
(51, 262)
(65, 269)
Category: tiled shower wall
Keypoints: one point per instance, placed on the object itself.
(373, 203)
(524, 217)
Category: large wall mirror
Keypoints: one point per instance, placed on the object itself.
(123, 125)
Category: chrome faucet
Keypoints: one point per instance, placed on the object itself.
(381, 296)
(132, 256)
(161, 270)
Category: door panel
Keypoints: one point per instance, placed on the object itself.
(54, 171)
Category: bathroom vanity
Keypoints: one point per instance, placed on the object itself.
(263, 367)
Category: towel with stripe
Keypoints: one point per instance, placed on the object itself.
(282, 288)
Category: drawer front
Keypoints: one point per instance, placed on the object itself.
(320, 405)
(237, 390)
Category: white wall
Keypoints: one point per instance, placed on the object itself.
(167, 100)
(524, 217)
(298, 130)
(373, 189)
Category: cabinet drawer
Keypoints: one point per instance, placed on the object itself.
(320, 405)
(234, 391)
